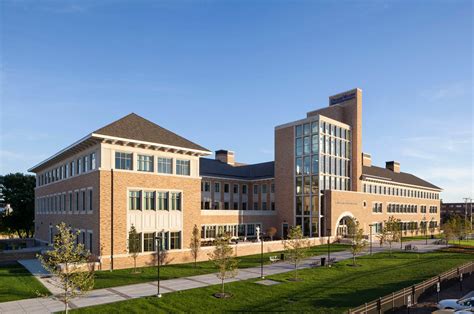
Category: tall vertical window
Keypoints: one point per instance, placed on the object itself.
(79, 166)
(165, 165)
(84, 201)
(244, 189)
(93, 165)
(149, 200)
(90, 200)
(134, 200)
(123, 161)
(236, 188)
(77, 200)
(175, 240)
(217, 187)
(183, 167)
(149, 242)
(162, 201)
(72, 169)
(255, 189)
(145, 163)
(175, 201)
(70, 201)
(299, 146)
(85, 164)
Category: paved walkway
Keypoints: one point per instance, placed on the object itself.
(110, 295)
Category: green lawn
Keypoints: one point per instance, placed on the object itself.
(17, 283)
(462, 242)
(323, 290)
(419, 237)
(106, 279)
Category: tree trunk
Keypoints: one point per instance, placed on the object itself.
(222, 290)
(353, 259)
(66, 308)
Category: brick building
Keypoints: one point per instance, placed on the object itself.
(134, 172)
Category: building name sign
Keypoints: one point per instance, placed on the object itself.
(345, 203)
(345, 97)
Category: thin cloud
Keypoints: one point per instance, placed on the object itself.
(446, 92)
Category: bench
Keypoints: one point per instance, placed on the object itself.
(274, 259)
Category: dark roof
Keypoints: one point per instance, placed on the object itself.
(134, 127)
(215, 168)
(400, 177)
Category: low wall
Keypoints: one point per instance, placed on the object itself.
(184, 256)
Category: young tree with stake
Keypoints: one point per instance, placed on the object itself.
(195, 244)
(69, 262)
(134, 246)
(295, 246)
(225, 261)
(358, 241)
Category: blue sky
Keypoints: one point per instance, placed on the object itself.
(224, 73)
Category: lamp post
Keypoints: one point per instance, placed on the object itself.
(329, 246)
(370, 240)
(158, 257)
(260, 234)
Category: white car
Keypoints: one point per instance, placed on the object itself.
(454, 304)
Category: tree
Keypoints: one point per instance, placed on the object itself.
(19, 192)
(271, 232)
(358, 240)
(295, 246)
(134, 246)
(66, 261)
(432, 227)
(223, 258)
(391, 232)
(195, 244)
(450, 229)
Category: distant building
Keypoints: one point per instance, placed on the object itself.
(460, 209)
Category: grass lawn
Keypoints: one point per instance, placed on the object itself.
(323, 290)
(419, 237)
(462, 242)
(17, 283)
(106, 279)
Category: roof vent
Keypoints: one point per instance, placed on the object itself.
(366, 160)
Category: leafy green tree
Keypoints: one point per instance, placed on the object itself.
(358, 241)
(223, 258)
(296, 246)
(134, 246)
(391, 232)
(69, 262)
(195, 244)
(19, 192)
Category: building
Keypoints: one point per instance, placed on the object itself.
(463, 210)
(134, 172)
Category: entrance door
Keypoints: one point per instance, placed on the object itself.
(284, 231)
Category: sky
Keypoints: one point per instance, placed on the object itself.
(225, 73)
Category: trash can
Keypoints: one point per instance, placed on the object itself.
(282, 257)
(323, 261)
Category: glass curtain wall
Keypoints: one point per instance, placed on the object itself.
(322, 162)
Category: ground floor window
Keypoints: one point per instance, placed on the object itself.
(149, 242)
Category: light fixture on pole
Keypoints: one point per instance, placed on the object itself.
(158, 258)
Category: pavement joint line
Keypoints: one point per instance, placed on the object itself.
(123, 295)
(195, 280)
(164, 287)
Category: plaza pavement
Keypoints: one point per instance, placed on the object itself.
(122, 293)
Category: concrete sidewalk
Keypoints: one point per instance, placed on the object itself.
(122, 293)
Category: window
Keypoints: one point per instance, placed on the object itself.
(236, 188)
(90, 200)
(175, 240)
(264, 188)
(299, 146)
(162, 201)
(175, 201)
(217, 187)
(165, 165)
(123, 161)
(149, 200)
(72, 168)
(145, 163)
(244, 189)
(273, 206)
(85, 164)
(236, 205)
(182, 167)
(226, 188)
(83, 200)
(134, 200)
(255, 189)
(299, 130)
(244, 205)
(77, 200)
(78, 166)
(70, 201)
(264, 206)
(226, 205)
(217, 205)
(149, 242)
(93, 165)
(255, 205)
